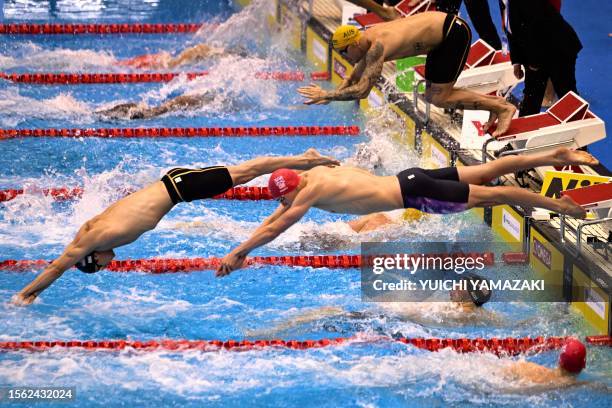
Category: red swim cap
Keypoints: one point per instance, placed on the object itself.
(283, 181)
(573, 356)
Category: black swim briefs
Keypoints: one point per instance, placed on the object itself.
(445, 62)
(434, 191)
(197, 184)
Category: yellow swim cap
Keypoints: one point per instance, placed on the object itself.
(344, 36)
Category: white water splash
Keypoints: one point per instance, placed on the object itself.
(16, 108)
(34, 57)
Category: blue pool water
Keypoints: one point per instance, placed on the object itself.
(252, 303)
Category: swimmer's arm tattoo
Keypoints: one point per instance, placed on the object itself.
(374, 60)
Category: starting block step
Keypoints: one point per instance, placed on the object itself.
(595, 196)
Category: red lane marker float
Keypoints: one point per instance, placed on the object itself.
(498, 346)
(130, 78)
(159, 266)
(174, 265)
(121, 28)
(185, 132)
(66, 193)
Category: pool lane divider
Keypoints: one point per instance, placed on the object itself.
(498, 346)
(178, 265)
(242, 193)
(243, 131)
(61, 78)
(114, 28)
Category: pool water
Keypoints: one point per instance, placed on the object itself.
(251, 303)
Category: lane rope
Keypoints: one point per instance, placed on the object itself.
(243, 193)
(63, 78)
(115, 28)
(174, 265)
(252, 131)
(498, 346)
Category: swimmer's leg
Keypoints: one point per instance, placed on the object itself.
(247, 171)
(483, 196)
(483, 173)
(447, 96)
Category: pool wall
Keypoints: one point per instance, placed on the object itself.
(585, 277)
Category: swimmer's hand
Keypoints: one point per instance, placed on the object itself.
(314, 94)
(230, 263)
(316, 159)
(21, 300)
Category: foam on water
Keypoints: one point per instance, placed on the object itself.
(16, 108)
(406, 373)
(34, 57)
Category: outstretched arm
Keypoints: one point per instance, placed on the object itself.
(268, 232)
(374, 60)
(83, 244)
(247, 171)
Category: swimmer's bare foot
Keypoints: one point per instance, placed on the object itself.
(569, 207)
(504, 117)
(319, 160)
(565, 156)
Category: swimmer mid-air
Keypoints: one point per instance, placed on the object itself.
(445, 38)
(129, 218)
(351, 190)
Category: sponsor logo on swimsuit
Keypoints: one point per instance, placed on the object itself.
(542, 253)
(339, 69)
(511, 224)
(410, 176)
(595, 302)
(280, 183)
(178, 180)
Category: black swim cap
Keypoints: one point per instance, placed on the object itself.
(88, 264)
(479, 296)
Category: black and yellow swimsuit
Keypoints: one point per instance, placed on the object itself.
(197, 184)
(445, 62)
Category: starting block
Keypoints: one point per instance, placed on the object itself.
(569, 123)
(597, 198)
(403, 8)
(486, 71)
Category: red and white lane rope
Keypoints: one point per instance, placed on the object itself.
(118, 28)
(243, 131)
(499, 346)
(66, 193)
(63, 78)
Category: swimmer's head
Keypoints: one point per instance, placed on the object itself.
(95, 261)
(344, 36)
(282, 183)
(573, 356)
(345, 40)
(473, 292)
